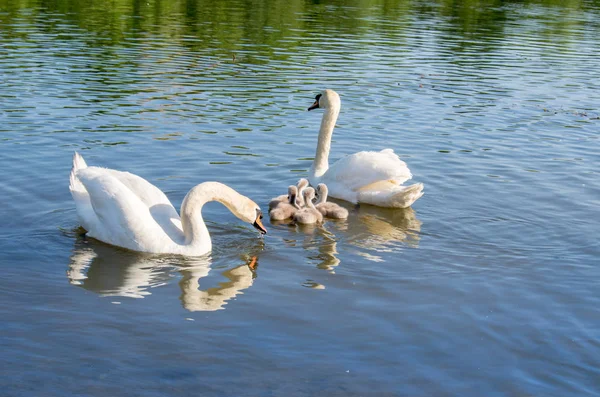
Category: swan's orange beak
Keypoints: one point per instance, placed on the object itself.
(314, 106)
(258, 223)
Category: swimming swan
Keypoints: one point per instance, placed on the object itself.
(125, 210)
(365, 177)
(308, 214)
(329, 209)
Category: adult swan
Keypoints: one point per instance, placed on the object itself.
(126, 210)
(365, 177)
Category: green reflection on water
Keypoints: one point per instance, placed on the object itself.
(228, 27)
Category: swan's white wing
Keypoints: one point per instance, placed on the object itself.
(123, 218)
(146, 192)
(161, 208)
(359, 170)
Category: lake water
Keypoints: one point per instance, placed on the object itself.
(487, 286)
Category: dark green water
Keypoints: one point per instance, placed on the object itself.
(488, 286)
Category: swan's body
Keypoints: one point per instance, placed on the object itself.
(284, 198)
(309, 214)
(125, 210)
(365, 177)
(286, 210)
(329, 209)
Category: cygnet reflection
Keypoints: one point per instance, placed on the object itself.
(319, 243)
(111, 271)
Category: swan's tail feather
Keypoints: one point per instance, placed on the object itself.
(78, 164)
(397, 197)
(78, 161)
(408, 196)
(85, 211)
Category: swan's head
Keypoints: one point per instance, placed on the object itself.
(258, 221)
(250, 212)
(326, 100)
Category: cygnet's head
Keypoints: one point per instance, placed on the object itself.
(309, 194)
(292, 193)
(302, 183)
(322, 190)
(326, 100)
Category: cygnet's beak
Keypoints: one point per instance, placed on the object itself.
(258, 223)
(314, 106)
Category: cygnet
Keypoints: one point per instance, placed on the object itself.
(285, 210)
(308, 214)
(328, 209)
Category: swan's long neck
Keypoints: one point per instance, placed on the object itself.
(194, 228)
(321, 162)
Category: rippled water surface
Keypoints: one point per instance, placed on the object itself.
(487, 286)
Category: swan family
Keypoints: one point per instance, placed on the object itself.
(125, 210)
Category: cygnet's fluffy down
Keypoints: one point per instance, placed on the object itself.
(308, 214)
(328, 209)
(284, 198)
(275, 201)
(285, 210)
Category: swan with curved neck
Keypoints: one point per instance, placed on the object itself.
(365, 177)
(125, 210)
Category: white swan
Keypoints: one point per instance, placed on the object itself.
(125, 210)
(365, 177)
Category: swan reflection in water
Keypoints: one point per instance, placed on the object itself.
(383, 230)
(111, 271)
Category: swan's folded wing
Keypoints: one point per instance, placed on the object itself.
(362, 169)
(147, 192)
(123, 218)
